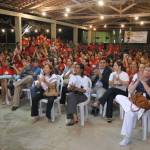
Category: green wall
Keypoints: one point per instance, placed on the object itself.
(106, 36)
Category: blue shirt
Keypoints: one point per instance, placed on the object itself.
(36, 70)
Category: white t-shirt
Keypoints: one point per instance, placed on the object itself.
(49, 79)
(123, 76)
(79, 82)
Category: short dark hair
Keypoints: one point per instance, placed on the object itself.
(103, 58)
(35, 60)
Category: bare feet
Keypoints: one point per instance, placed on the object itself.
(35, 119)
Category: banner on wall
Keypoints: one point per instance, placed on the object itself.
(135, 37)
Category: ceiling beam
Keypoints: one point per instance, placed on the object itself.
(41, 3)
(29, 5)
(78, 10)
(9, 6)
(105, 16)
(114, 8)
(16, 14)
(128, 7)
(59, 7)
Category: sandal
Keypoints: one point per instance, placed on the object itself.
(96, 104)
(35, 119)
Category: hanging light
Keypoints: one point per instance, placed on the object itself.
(66, 15)
(59, 29)
(47, 30)
(136, 18)
(3, 30)
(90, 26)
(141, 22)
(12, 30)
(102, 17)
(122, 26)
(105, 26)
(35, 30)
(43, 13)
(26, 30)
(67, 10)
(94, 29)
(101, 3)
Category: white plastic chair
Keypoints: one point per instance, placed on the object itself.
(57, 100)
(28, 93)
(83, 105)
(145, 122)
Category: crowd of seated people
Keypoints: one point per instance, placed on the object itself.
(109, 70)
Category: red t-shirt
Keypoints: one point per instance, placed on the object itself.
(88, 71)
(61, 67)
(7, 71)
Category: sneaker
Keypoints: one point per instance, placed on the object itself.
(14, 108)
(125, 141)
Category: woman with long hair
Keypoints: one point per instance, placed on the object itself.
(45, 81)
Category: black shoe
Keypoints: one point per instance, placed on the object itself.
(70, 124)
(14, 108)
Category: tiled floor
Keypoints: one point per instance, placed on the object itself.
(17, 133)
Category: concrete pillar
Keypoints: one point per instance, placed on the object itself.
(75, 35)
(89, 37)
(53, 31)
(18, 30)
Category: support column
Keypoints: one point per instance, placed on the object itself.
(75, 35)
(89, 37)
(53, 31)
(18, 30)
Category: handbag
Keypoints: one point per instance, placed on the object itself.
(140, 101)
(51, 92)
